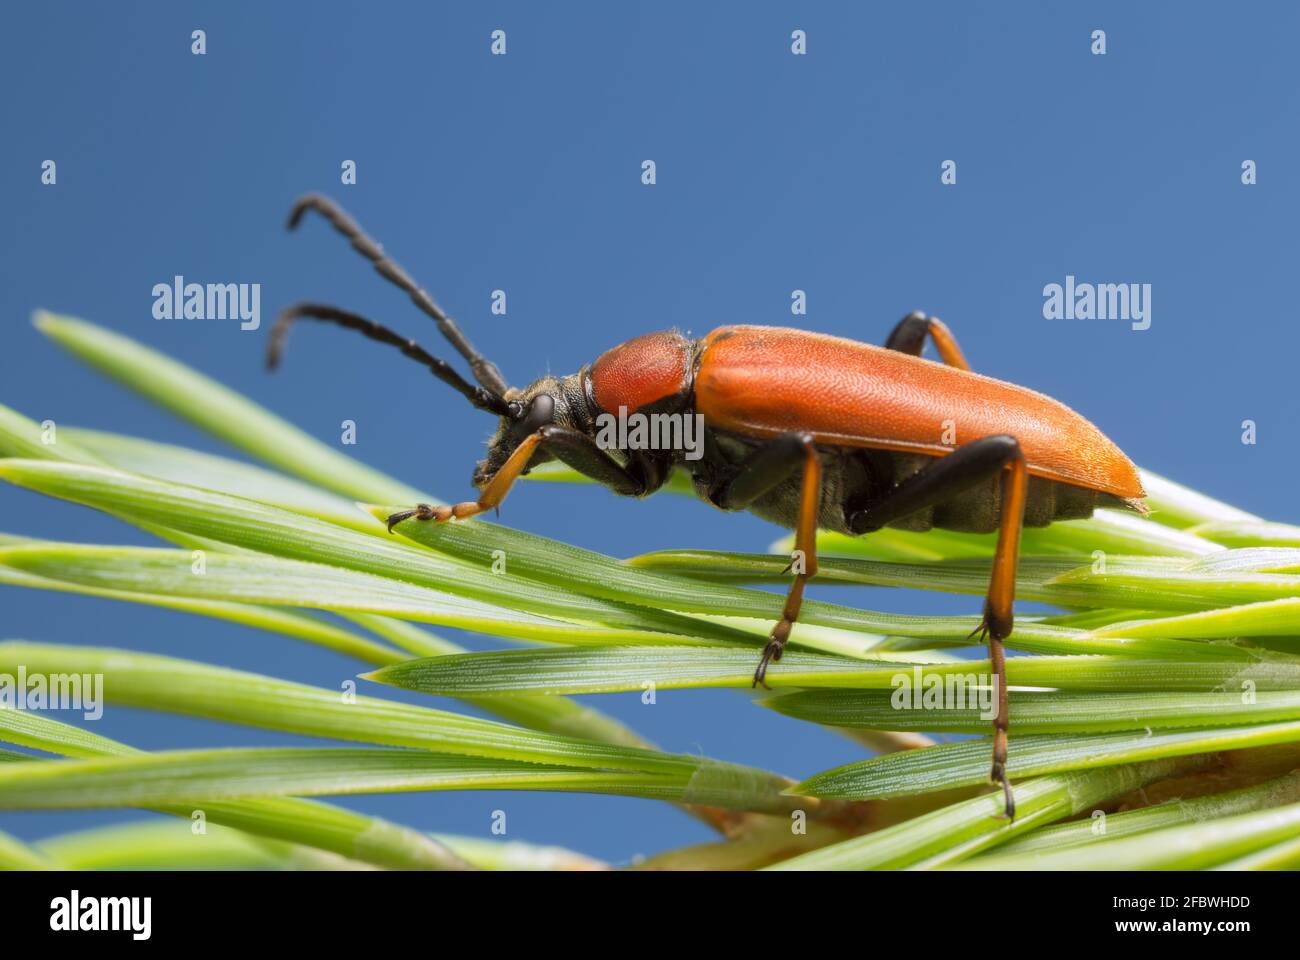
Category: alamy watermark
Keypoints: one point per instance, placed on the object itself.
(179, 300)
(1098, 301)
(75, 913)
(53, 691)
(954, 691)
(651, 431)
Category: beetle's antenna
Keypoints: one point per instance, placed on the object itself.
(485, 371)
(481, 397)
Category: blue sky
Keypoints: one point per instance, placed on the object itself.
(774, 172)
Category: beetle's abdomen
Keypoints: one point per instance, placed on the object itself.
(978, 508)
(849, 478)
(642, 372)
(764, 381)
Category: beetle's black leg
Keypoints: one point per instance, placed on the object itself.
(935, 483)
(478, 396)
(576, 449)
(910, 333)
(765, 468)
(583, 454)
(485, 372)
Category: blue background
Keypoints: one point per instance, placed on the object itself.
(775, 172)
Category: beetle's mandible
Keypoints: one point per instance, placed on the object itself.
(810, 431)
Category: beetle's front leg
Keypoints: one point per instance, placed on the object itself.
(576, 449)
(494, 491)
(762, 470)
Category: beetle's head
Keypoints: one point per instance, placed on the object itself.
(550, 400)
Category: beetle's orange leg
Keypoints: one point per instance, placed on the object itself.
(934, 484)
(805, 557)
(909, 337)
(493, 492)
(762, 471)
(998, 616)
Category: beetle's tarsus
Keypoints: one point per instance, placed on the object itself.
(395, 518)
(999, 776)
(995, 633)
(771, 653)
(421, 511)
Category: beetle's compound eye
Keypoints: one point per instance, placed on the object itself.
(540, 412)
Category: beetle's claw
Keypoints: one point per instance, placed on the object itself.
(771, 654)
(992, 626)
(421, 511)
(395, 518)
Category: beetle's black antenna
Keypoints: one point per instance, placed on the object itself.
(481, 397)
(485, 371)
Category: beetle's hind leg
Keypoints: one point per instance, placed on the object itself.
(937, 482)
(910, 334)
(769, 465)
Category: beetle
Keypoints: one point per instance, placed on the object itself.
(811, 431)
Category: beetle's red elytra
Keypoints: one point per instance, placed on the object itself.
(766, 381)
(807, 430)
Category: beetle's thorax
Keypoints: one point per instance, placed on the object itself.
(652, 372)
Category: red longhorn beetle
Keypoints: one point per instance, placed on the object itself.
(807, 430)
